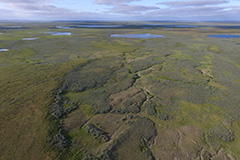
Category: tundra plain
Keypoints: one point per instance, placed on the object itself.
(71, 91)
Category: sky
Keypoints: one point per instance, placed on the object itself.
(117, 10)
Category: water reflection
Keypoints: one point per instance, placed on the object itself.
(144, 35)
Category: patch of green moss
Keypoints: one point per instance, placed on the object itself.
(206, 65)
(180, 56)
(234, 63)
(29, 61)
(203, 115)
(113, 46)
(79, 155)
(214, 48)
(179, 44)
(84, 139)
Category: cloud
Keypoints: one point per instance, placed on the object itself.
(194, 3)
(39, 10)
(32, 9)
(122, 10)
(122, 7)
(190, 11)
(113, 2)
(23, 1)
(200, 13)
(7, 14)
(132, 9)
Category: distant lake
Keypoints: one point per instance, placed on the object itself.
(62, 27)
(144, 35)
(29, 39)
(224, 36)
(126, 26)
(15, 26)
(184, 26)
(238, 43)
(59, 33)
(3, 50)
(146, 28)
(99, 26)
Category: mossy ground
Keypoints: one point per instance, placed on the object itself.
(190, 80)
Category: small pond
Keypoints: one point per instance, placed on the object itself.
(3, 50)
(144, 35)
(29, 39)
(59, 33)
(62, 27)
(224, 36)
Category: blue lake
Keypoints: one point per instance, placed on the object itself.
(62, 27)
(29, 39)
(224, 36)
(146, 28)
(3, 50)
(184, 26)
(15, 26)
(131, 26)
(238, 43)
(144, 35)
(59, 33)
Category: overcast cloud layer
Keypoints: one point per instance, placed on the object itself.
(122, 10)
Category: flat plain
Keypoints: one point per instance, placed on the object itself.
(70, 90)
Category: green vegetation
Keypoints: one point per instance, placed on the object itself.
(90, 96)
(214, 48)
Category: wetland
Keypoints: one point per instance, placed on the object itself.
(119, 90)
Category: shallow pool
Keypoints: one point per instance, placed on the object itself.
(29, 39)
(224, 36)
(3, 50)
(144, 35)
(59, 33)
